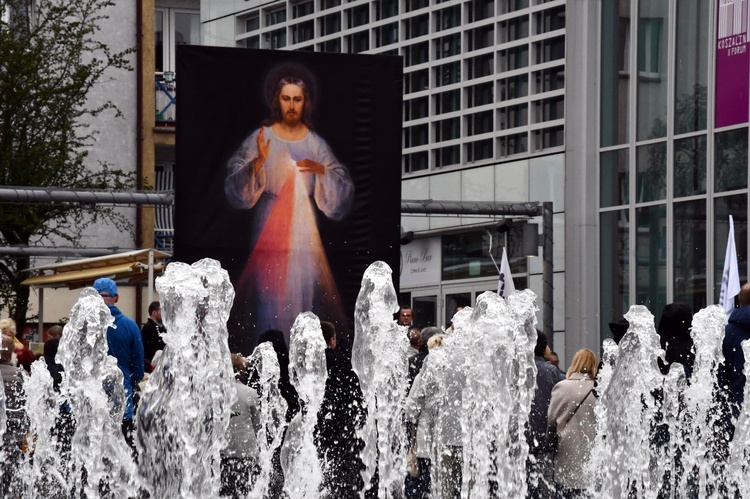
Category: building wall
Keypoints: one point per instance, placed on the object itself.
(668, 175)
(484, 105)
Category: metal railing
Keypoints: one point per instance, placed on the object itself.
(165, 87)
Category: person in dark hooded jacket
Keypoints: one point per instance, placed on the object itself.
(731, 379)
(674, 336)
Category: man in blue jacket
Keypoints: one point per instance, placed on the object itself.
(126, 345)
(731, 377)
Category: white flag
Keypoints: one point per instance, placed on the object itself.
(505, 285)
(730, 278)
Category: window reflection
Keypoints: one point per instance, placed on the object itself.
(614, 178)
(690, 253)
(615, 72)
(730, 160)
(690, 166)
(614, 267)
(653, 20)
(651, 257)
(651, 172)
(466, 255)
(691, 65)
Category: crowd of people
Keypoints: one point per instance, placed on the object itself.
(560, 433)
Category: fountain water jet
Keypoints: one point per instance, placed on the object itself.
(184, 410)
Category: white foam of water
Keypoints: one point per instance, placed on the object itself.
(307, 372)
(272, 408)
(93, 387)
(185, 407)
(379, 360)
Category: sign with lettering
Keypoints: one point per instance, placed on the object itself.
(420, 262)
(732, 62)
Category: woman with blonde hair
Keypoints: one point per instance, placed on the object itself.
(571, 417)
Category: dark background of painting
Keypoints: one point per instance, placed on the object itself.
(357, 112)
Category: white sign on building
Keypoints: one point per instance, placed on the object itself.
(420, 263)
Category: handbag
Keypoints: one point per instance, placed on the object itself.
(553, 438)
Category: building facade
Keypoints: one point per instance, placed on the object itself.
(628, 115)
(483, 120)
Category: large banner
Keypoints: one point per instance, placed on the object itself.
(732, 62)
(288, 172)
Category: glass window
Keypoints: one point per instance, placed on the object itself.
(415, 136)
(514, 116)
(303, 32)
(615, 72)
(159, 40)
(690, 253)
(478, 151)
(651, 257)
(481, 9)
(514, 58)
(417, 81)
(448, 74)
(653, 20)
(550, 109)
(448, 46)
(330, 24)
(550, 79)
(327, 4)
(466, 255)
(551, 49)
(482, 37)
(651, 172)
(416, 4)
(252, 23)
(253, 42)
(480, 95)
(276, 39)
(514, 29)
(303, 9)
(514, 87)
(385, 35)
(479, 123)
(447, 129)
(415, 162)
(447, 18)
(730, 161)
(514, 144)
(447, 156)
(386, 8)
(736, 206)
(512, 5)
(690, 166)
(417, 54)
(549, 137)
(359, 42)
(275, 17)
(691, 66)
(479, 66)
(550, 20)
(332, 46)
(187, 29)
(358, 16)
(417, 26)
(614, 178)
(448, 102)
(614, 269)
(417, 108)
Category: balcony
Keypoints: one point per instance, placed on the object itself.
(165, 88)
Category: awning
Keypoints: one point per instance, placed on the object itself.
(129, 267)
